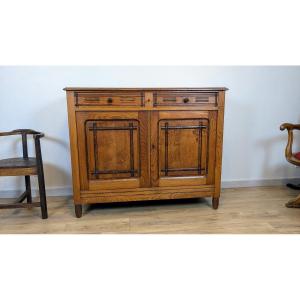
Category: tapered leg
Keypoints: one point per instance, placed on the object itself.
(215, 202)
(43, 199)
(78, 210)
(28, 189)
(41, 179)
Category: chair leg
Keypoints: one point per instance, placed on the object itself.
(28, 189)
(294, 203)
(42, 191)
(41, 179)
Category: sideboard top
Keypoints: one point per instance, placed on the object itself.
(203, 89)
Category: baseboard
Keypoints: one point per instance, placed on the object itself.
(258, 182)
(67, 191)
(53, 191)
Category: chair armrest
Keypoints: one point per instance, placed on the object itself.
(289, 126)
(24, 132)
(289, 147)
(38, 135)
(19, 131)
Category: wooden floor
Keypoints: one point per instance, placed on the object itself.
(243, 210)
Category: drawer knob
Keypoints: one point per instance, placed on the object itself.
(186, 100)
(109, 100)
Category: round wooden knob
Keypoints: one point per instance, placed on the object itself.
(109, 100)
(186, 100)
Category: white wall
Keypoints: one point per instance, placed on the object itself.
(258, 101)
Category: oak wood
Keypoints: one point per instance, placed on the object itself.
(153, 189)
(73, 146)
(181, 148)
(184, 89)
(203, 107)
(78, 210)
(123, 197)
(154, 149)
(113, 149)
(219, 144)
(184, 98)
(124, 98)
(144, 118)
(137, 138)
(215, 202)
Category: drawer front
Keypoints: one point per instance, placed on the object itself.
(184, 99)
(109, 99)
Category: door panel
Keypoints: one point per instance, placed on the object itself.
(113, 148)
(109, 146)
(183, 147)
(180, 144)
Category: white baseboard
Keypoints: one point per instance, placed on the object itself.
(258, 182)
(67, 191)
(53, 191)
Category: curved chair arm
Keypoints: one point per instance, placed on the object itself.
(24, 132)
(289, 126)
(20, 131)
(289, 147)
(38, 135)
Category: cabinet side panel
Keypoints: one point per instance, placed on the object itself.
(212, 146)
(73, 146)
(219, 143)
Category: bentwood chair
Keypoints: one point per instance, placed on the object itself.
(293, 158)
(26, 166)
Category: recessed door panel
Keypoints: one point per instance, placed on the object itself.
(113, 148)
(183, 147)
(110, 150)
(180, 144)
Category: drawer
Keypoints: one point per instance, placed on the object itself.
(184, 99)
(109, 99)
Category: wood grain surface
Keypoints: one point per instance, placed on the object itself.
(243, 210)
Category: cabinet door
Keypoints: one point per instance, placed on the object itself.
(113, 150)
(183, 147)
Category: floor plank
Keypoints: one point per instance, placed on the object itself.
(243, 210)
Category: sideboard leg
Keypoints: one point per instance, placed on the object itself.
(215, 202)
(78, 210)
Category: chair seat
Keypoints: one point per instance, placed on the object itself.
(18, 166)
(26, 166)
(297, 155)
(17, 162)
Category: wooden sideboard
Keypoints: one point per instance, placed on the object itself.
(131, 144)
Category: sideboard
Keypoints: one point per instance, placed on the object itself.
(132, 144)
